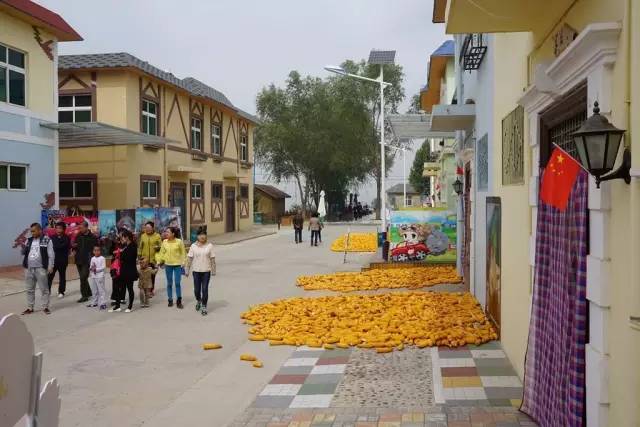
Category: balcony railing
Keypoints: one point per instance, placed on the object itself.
(474, 48)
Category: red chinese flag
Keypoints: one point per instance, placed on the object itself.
(558, 179)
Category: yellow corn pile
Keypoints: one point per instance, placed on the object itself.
(393, 278)
(385, 322)
(358, 242)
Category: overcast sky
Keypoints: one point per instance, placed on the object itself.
(239, 46)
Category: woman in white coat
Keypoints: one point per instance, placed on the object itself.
(201, 261)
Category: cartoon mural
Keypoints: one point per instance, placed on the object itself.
(422, 235)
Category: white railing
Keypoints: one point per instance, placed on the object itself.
(21, 401)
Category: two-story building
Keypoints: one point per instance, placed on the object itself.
(29, 37)
(133, 135)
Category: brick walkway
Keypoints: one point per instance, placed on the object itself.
(469, 386)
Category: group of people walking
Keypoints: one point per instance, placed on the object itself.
(315, 228)
(45, 256)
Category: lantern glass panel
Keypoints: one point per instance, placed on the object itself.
(595, 145)
(582, 154)
(612, 153)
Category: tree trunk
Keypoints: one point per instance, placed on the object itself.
(302, 195)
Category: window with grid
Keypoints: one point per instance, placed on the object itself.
(216, 139)
(216, 191)
(76, 189)
(244, 147)
(12, 76)
(196, 134)
(196, 191)
(13, 177)
(74, 108)
(408, 201)
(149, 189)
(561, 134)
(149, 117)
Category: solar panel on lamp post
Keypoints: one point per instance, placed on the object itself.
(376, 57)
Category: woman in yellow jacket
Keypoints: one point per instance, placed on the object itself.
(172, 257)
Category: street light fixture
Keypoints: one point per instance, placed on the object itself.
(598, 142)
(376, 57)
(457, 186)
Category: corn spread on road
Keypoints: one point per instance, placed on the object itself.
(358, 242)
(388, 278)
(385, 322)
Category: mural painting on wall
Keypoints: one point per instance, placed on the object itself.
(126, 219)
(494, 218)
(49, 218)
(144, 215)
(427, 235)
(107, 224)
(168, 217)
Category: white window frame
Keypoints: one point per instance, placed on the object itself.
(244, 148)
(196, 130)
(194, 186)
(74, 197)
(148, 182)
(22, 71)
(408, 201)
(146, 115)
(73, 107)
(26, 176)
(217, 138)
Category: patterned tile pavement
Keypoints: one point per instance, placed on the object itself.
(465, 387)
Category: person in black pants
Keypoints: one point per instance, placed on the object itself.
(61, 247)
(128, 270)
(298, 223)
(83, 251)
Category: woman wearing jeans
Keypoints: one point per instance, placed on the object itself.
(171, 256)
(202, 261)
(128, 271)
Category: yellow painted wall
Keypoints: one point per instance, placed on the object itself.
(40, 69)
(118, 104)
(511, 73)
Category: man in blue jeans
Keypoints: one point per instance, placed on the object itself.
(38, 261)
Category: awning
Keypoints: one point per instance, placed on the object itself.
(96, 134)
(408, 126)
(497, 16)
(183, 169)
(450, 118)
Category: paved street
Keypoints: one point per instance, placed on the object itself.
(147, 367)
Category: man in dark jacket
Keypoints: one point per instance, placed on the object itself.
(61, 246)
(298, 223)
(83, 248)
(37, 261)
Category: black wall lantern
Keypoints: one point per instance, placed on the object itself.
(457, 186)
(598, 142)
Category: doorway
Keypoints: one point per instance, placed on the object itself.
(178, 199)
(230, 196)
(466, 251)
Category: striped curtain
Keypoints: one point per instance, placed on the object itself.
(554, 383)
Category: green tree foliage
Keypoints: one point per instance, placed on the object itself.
(313, 132)
(415, 105)
(420, 183)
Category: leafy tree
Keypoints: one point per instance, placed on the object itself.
(415, 106)
(313, 133)
(420, 183)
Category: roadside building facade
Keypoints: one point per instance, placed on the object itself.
(542, 72)
(398, 200)
(132, 135)
(29, 37)
(269, 202)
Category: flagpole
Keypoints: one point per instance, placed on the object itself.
(562, 149)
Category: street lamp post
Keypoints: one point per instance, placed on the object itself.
(381, 58)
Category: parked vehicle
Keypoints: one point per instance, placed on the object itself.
(418, 251)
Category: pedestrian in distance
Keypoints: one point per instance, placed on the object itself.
(172, 257)
(37, 262)
(61, 247)
(83, 251)
(146, 273)
(128, 270)
(116, 285)
(201, 260)
(148, 246)
(298, 224)
(315, 226)
(97, 266)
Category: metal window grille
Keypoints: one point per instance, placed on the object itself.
(513, 147)
(474, 48)
(561, 134)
